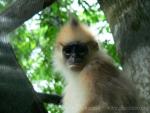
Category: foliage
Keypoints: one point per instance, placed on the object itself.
(111, 50)
(34, 46)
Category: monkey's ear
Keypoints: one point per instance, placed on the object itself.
(74, 22)
(59, 45)
(93, 45)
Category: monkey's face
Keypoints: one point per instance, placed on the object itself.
(74, 48)
(75, 55)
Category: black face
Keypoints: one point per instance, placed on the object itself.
(75, 54)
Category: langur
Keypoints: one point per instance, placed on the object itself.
(93, 83)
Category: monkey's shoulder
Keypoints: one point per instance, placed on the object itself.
(102, 66)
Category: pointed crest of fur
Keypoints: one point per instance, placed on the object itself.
(74, 22)
(74, 31)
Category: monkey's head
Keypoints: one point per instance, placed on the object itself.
(75, 45)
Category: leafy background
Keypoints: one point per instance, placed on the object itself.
(33, 42)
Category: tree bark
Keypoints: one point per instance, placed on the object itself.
(130, 25)
(16, 92)
(19, 12)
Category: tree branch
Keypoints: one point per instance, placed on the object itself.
(50, 98)
(19, 12)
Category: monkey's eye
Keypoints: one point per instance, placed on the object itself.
(76, 48)
(82, 50)
(67, 50)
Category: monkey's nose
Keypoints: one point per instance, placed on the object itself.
(74, 55)
(77, 60)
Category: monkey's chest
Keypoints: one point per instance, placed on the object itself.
(75, 99)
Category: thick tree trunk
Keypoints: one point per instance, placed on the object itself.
(130, 24)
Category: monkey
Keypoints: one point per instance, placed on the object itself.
(93, 83)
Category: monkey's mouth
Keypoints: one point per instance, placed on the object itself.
(76, 67)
